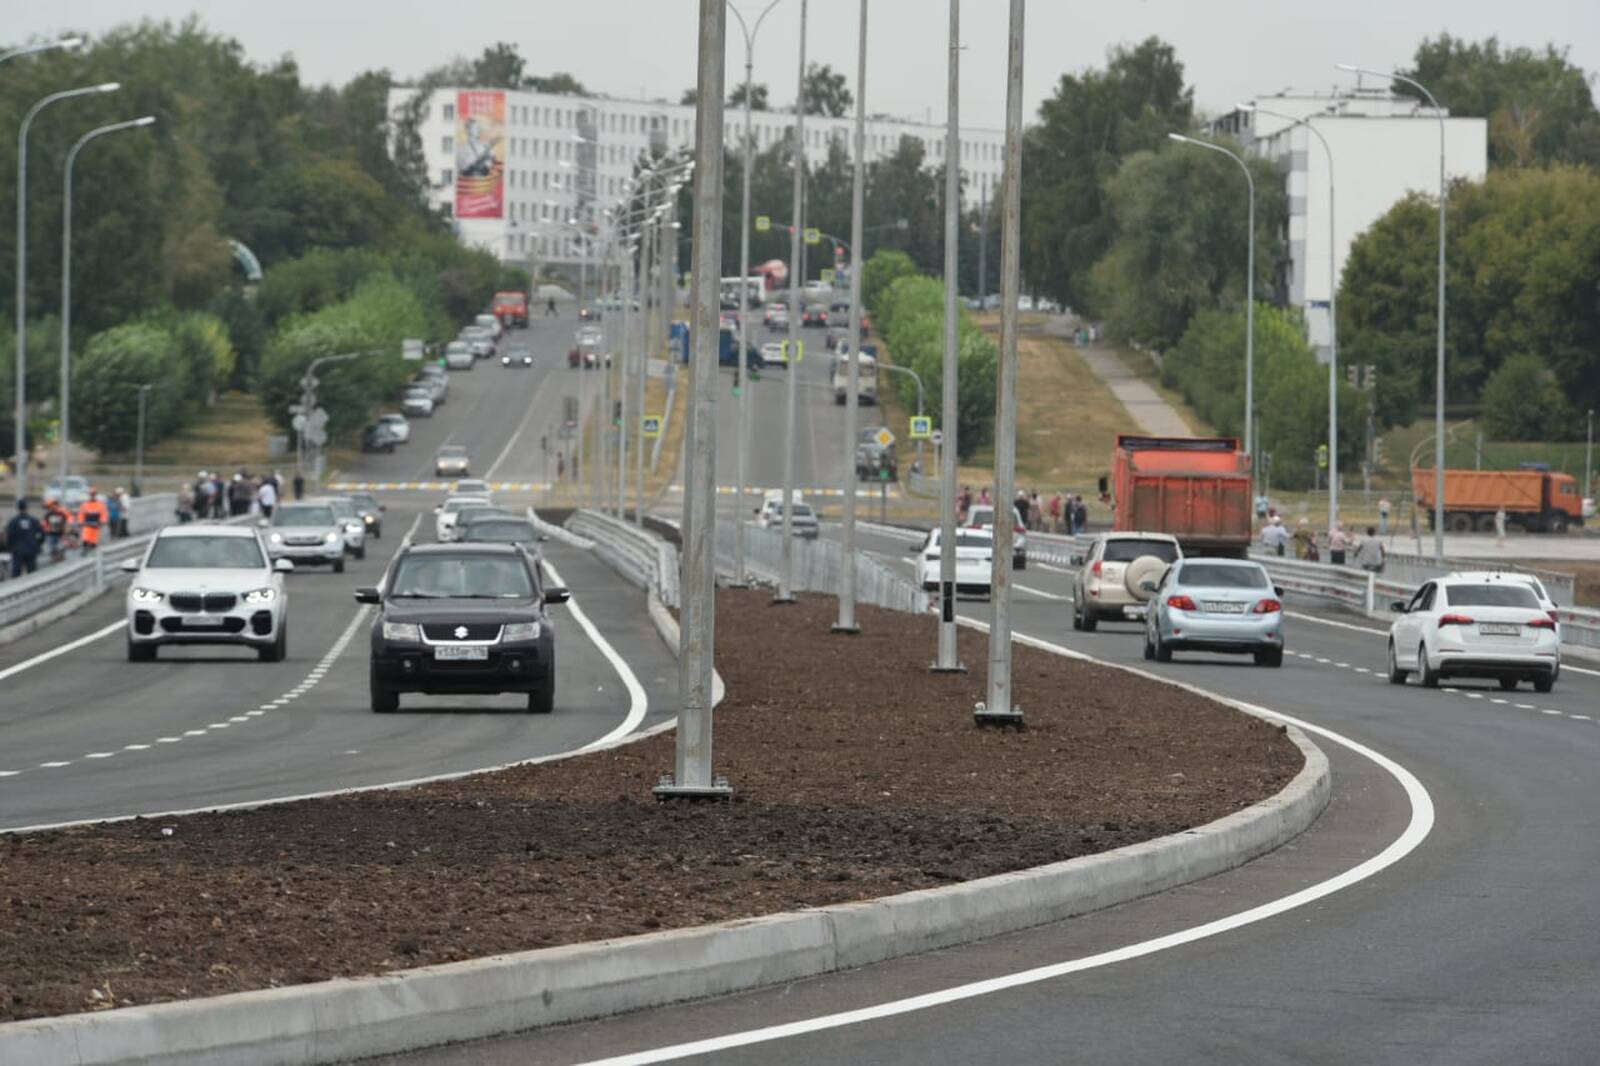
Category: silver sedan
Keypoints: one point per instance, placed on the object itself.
(1214, 605)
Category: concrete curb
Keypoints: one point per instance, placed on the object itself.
(336, 1020)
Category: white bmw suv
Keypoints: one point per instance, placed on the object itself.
(207, 584)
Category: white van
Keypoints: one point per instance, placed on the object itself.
(866, 379)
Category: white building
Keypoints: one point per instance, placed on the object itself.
(566, 152)
(1383, 147)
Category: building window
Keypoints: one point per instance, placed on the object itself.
(448, 112)
(446, 176)
(447, 144)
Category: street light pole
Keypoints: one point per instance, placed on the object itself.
(20, 456)
(847, 571)
(741, 370)
(792, 363)
(66, 279)
(948, 660)
(1438, 383)
(138, 453)
(1588, 459)
(68, 43)
(1250, 293)
(1333, 316)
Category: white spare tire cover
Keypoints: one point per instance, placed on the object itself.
(1145, 568)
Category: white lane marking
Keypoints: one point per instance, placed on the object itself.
(194, 732)
(1497, 699)
(99, 755)
(1525, 707)
(9, 773)
(1342, 666)
(1547, 710)
(217, 725)
(638, 702)
(239, 718)
(1038, 592)
(55, 765)
(71, 645)
(168, 740)
(1473, 695)
(1362, 670)
(1579, 717)
(254, 714)
(135, 747)
(1416, 831)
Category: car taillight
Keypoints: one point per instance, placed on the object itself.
(1095, 569)
(1267, 606)
(1542, 623)
(1180, 603)
(1454, 620)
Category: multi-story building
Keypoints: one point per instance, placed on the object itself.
(560, 155)
(1383, 147)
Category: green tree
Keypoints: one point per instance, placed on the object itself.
(879, 273)
(105, 388)
(825, 92)
(1092, 122)
(1524, 401)
(499, 67)
(910, 316)
(758, 96)
(559, 83)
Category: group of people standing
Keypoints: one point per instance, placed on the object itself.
(1366, 550)
(61, 531)
(1062, 513)
(209, 496)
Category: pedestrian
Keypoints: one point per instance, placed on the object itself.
(963, 503)
(983, 497)
(1021, 505)
(1080, 515)
(219, 495)
(1338, 541)
(1304, 539)
(24, 536)
(1055, 513)
(1035, 510)
(1273, 536)
(1500, 525)
(1369, 553)
(93, 517)
(550, 307)
(267, 497)
(202, 495)
(56, 522)
(185, 509)
(299, 485)
(240, 495)
(125, 505)
(1383, 516)
(114, 513)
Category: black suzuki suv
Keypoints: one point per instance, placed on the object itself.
(463, 618)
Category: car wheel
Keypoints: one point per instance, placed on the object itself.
(1429, 676)
(140, 653)
(1077, 619)
(278, 650)
(361, 552)
(1541, 685)
(338, 566)
(1090, 622)
(385, 700)
(1149, 648)
(1269, 657)
(1508, 684)
(1019, 562)
(1163, 654)
(1397, 674)
(542, 700)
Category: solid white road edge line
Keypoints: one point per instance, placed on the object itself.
(73, 645)
(1417, 829)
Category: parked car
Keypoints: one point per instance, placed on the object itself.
(458, 355)
(306, 532)
(489, 322)
(378, 437)
(399, 428)
(974, 561)
(1107, 585)
(1474, 627)
(417, 402)
(207, 584)
(463, 619)
(1216, 605)
(981, 516)
(451, 460)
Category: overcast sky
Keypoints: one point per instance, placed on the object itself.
(1231, 49)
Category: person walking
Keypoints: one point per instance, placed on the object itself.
(267, 497)
(1369, 553)
(56, 521)
(1338, 541)
(1383, 516)
(1304, 539)
(240, 495)
(125, 504)
(1055, 513)
(219, 497)
(1022, 507)
(1274, 537)
(1500, 525)
(93, 519)
(963, 504)
(550, 307)
(185, 509)
(299, 485)
(114, 514)
(24, 536)
(983, 497)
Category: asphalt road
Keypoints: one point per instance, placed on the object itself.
(87, 734)
(1477, 947)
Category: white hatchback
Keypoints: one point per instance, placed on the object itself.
(1483, 627)
(207, 584)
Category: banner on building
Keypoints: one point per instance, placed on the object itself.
(480, 154)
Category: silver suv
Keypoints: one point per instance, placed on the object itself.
(1109, 579)
(307, 532)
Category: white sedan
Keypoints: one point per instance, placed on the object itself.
(207, 584)
(398, 426)
(1482, 627)
(447, 516)
(974, 561)
(775, 353)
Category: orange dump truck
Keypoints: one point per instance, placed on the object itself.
(1196, 488)
(1534, 499)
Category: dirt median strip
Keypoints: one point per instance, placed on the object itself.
(857, 775)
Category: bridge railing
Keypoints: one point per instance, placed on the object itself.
(637, 554)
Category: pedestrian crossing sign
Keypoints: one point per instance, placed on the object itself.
(763, 223)
(826, 275)
(813, 236)
(921, 427)
(795, 353)
(650, 425)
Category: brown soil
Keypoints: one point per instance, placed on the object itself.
(857, 774)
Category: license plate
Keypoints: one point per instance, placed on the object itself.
(1499, 629)
(1133, 612)
(461, 654)
(201, 620)
(1224, 608)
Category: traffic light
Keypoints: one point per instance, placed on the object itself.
(1372, 376)
(1351, 375)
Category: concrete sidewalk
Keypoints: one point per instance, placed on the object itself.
(1145, 406)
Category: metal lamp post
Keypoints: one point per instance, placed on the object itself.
(847, 571)
(1250, 292)
(21, 455)
(740, 371)
(1588, 457)
(1333, 315)
(66, 278)
(948, 660)
(791, 384)
(68, 43)
(1438, 384)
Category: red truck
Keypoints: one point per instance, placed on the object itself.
(510, 306)
(1199, 489)
(1534, 498)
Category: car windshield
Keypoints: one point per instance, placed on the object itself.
(365, 503)
(343, 508)
(452, 452)
(461, 577)
(1222, 576)
(802, 510)
(1126, 551)
(512, 531)
(205, 553)
(1508, 595)
(302, 515)
(457, 506)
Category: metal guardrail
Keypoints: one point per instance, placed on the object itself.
(637, 554)
(818, 566)
(146, 514)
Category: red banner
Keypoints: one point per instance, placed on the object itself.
(480, 154)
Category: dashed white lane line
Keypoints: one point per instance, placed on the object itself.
(1525, 707)
(1580, 717)
(168, 740)
(9, 773)
(194, 732)
(99, 755)
(1547, 710)
(1497, 699)
(1038, 592)
(55, 765)
(135, 747)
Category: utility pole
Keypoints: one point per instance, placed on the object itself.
(692, 774)
(138, 453)
(948, 660)
(793, 365)
(999, 708)
(1588, 458)
(847, 571)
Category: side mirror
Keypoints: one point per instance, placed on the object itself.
(556, 594)
(757, 511)
(1398, 606)
(283, 566)
(130, 566)
(1277, 590)
(1076, 559)
(367, 594)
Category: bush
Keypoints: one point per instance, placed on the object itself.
(105, 387)
(882, 271)
(1523, 401)
(910, 315)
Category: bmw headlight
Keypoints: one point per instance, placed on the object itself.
(147, 596)
(520, 631)
(276, 538)
(266, 595)
(332, 538)
(402, 631)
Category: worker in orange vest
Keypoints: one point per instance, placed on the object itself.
(93, 516)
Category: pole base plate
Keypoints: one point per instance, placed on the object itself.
(983, 716)
(784, 601)
(667, 790)
(958, 668)
(848, 631)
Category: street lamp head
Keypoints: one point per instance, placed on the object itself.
(108, 87)
(145, 120)
(1347, 68)
(1179, 138)
(68, 43)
